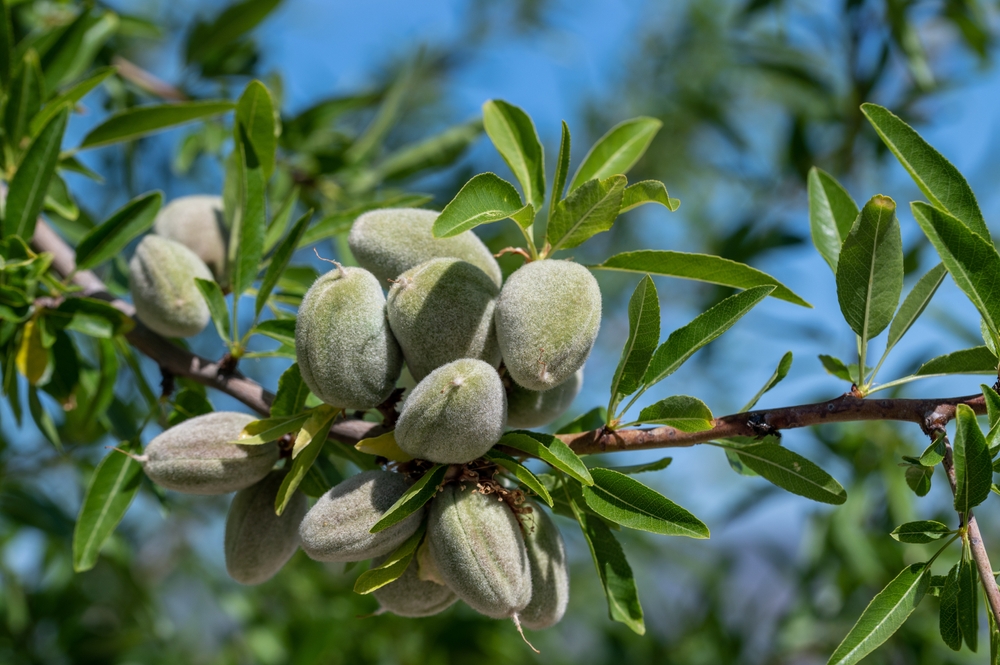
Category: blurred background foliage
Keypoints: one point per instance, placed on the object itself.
(751, 93)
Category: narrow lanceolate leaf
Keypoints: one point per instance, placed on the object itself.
(968, 602)
(992, 400)
(522, 473)
(111, 236)
(832, 212)
(870, 269)
(700, 267)
(282, 330)
(270, 429)
(612, 567)
(970, 258)
(255, 111)
(247, 236)
(936, 177)
(216, 302)
(24, 97)
(780, 372)
(138, 122)
(973, 463)
(31, 181)
(884, 615)
(617, 151)
(280, 260)
(683, 342)
(109, 494)
(413, 499)
(648, 191)
(643, 468)
(977, 360)
(951, 629)
(562, 169)
(924, 531)
(588, 210)
(514, 136)
(317, 424)
(790, 471)
(915, 303)
(304, 460)
(292, 393)
(484, 199)
(70, 96)
(233, 22)
(624, 500)
(393, 567)
(385, 446)
(688, 414)
(643, 336)
(550, 450)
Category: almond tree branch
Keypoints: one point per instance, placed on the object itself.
(930, 414)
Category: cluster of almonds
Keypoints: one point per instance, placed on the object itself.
(455, 324)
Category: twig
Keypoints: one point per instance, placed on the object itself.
(976, 545)
(140, 77)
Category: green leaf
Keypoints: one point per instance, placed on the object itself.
(789, 471)
(836, 367)
(591, 420)
(936, 177)
(321, 478)
(832, 212)
(884, 615)
(231, 24)
(393, 567)
(647, 191)
(948, 623)
(522, 473)
(188, 404)
(124, 225)
(74, 50)
(550, 450)
(413, 499)
(70, 96)
(977, 360)
(279, 222)
(246, 241)
(435, 152)
(270, 429)
(918, 478)
(137, 122)
(59, 200)
(588, 210)
(934, 453)
(688, 414)
(612, 567)
(915, 303)
(280, 260)
(624, 500)
(30, 182)
(992, 400)
(968, 602)
(109, 494)
(282, 330)
(6, 45)
(292, 393)
(970, 258)
(513, 135)
(340, 222)
(870, 269)
(383, 445)
(24, 98)
(562, 169)
(255, 112)
(643, 337)
(684, 341)
(973, 462)
(617, 151)
(780, 372)
(366, 145)
(643, 468)
(919, 533)
(484, 199)
(216, 302)
(302, 462)
(700, 267)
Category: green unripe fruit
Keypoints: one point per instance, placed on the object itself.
(442, 310)
(346, 352)
(390, 241)
(197, 457)
(259, 542)
(197, 223)
(530, 408)
(410, 596)
(337, 527)
(547, 318)
(166, 298)
(455, 414)
(476, 544)
(549, 571)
